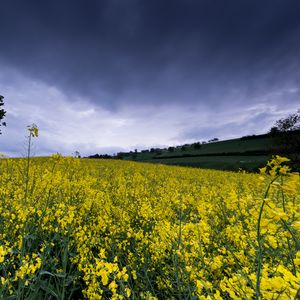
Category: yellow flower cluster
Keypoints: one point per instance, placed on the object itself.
(103, 229)
(28, 266)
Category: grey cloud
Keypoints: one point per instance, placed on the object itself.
(111, 75)
(253, 121)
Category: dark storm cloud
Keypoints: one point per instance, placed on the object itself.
(155, 52)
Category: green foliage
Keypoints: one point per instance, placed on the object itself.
(247, 154)
(197, 145)
(274, 131)
(2, 113)
(290, 123)
(287, 136)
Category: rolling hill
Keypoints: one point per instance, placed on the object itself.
(248, 153)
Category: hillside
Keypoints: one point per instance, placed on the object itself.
(249, 153)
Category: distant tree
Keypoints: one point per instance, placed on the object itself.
(171, 149)
(120, 155)
(158, 151)
(197, 145)
(77, 154)
(183, 148)
(102, 156)
(290, 123)
(213, 140)
(134, 154)
(2, 113)
(94, 156)
(274, 131)
(287, 138)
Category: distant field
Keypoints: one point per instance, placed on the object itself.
(218, 162)
(233, 154)
(228, 146)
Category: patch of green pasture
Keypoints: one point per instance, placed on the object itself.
(232, 163)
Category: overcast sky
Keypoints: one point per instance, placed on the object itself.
(102, 76)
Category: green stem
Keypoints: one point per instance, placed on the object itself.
(259, 241)
(27, 168)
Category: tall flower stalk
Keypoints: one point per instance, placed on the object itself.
(33, 132)
(277, 171)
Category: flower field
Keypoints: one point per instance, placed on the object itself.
(103, 229)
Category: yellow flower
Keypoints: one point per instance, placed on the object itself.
(33, 130)
(113, 286)
(3, 252)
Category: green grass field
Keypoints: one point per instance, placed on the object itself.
(248, 154)
(234, 162)
(228, 146)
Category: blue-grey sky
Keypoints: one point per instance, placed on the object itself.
(103, 76)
